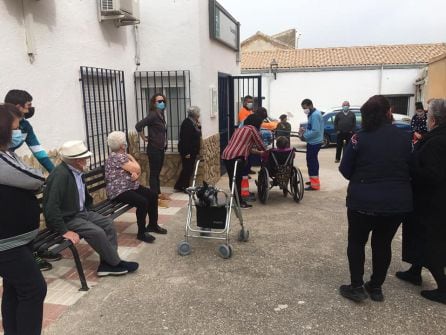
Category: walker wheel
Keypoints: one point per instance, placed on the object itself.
(225, 251)
(243, 235)
(184, 248)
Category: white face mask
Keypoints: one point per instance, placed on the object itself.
(306, 111)
(420, 113)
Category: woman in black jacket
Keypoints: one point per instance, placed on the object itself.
(189, 147)
(376, 162)
(429, 185)
(24, 288)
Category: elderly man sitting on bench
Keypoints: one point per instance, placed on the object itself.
(65, 206)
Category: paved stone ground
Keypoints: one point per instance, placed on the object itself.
(283, 281)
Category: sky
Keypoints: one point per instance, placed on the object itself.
(331, 23)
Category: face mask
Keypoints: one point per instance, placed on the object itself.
(420, 114)
(16, 139)
(249, 105)
(306, 111)
(160, 105)
(345, 108)
(30, 113)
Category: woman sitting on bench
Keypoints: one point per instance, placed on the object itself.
(121, 176)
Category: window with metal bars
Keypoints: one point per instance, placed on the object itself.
(175, 85)
(103, 92)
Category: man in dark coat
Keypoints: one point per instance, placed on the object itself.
(429, 179)
(189, 147)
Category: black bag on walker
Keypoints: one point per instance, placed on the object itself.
(210, 214)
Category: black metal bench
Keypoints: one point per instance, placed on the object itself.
(53, 243)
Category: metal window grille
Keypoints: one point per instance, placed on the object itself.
(105, 109)
(175, 85)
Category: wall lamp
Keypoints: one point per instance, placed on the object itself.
(273, 66)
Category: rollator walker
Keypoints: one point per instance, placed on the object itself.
(214, 221)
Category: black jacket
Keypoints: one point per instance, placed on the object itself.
(428, 171)
(377, 165)
(189, 143)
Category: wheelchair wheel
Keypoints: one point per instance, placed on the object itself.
(263, 185)
(297, 184)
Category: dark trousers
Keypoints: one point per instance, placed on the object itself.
(230, 165)
(187, 169)
(156, 161)
(312, 160)
(435, 251)
(24, 291)
(146, 202)
(341, 137)
(383, 230)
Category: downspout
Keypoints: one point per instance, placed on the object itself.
(137, 46)
(29, 37)
(381, 78)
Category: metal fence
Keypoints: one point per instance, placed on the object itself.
(105, 109)
(175, 85)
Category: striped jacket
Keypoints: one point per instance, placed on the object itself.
(34, 145)
(241, 143)
(20, 213)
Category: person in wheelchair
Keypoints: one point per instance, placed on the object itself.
(280, 156)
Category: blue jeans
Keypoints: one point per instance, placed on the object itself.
(312, 160)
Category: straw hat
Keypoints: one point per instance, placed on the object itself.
(74, 150)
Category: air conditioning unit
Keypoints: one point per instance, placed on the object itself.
(130, 9)
(109, 10)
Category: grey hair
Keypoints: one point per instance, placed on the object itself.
(193, 111)
(437, 107)
(115, 139)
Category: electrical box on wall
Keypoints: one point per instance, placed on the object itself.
(123, 12)
(214, 101)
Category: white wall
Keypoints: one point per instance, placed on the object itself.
(329, 89)
(174, 35)
(67, 35)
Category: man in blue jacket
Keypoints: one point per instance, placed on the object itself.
(314, 136)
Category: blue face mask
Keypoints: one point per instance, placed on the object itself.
(16, 139)
(345, 108)
(160, 105)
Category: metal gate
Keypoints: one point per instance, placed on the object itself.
(231, 91)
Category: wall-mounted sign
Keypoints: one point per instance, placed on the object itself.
(223, 27)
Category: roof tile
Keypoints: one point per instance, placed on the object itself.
(409, 54)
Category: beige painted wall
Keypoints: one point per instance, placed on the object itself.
(436, 85)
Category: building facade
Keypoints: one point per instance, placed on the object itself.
(80, 71)
(329, 76)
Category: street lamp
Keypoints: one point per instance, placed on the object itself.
(273, 67)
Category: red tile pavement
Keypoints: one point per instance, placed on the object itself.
(84, 251)
(128, 240)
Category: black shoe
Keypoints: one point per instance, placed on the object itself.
(245, 205)
(207, 229)
(309, 188)
(156, 229)
(375, 293)
(308, 183)
(130, 266)
(251, 172)
(409, 277)
(50, 257)
(43, 264)
(435, 295)
(107, 270)
(146, 237)
(357, 294)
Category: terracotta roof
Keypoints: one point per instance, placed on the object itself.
(267, 38)
(411, 54)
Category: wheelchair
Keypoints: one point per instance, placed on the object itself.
(279, 170)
